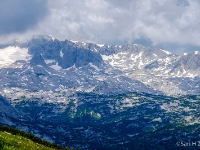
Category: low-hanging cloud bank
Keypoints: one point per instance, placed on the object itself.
(160, 22)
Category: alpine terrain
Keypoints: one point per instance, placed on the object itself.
(100, 96)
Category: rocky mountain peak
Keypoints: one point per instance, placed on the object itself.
(53, 64)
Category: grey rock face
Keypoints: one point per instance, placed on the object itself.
(37, 60)
(78, 56)
(191, 61)
(66, 53)
(78, 66)
(121, 84)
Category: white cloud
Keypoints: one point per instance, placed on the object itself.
(116, 21)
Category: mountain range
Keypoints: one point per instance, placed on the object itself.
(112, 96)
(47, 64)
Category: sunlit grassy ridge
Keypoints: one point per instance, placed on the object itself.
(16, 142)
(12, 139)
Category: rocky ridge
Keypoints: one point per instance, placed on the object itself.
(45, 63)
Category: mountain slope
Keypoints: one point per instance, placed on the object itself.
(13, 139)
(7, 112)
(45, 63)
(52, 65)
(100, 96)
(130, 121)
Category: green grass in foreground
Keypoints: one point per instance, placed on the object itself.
(16, 142)
(13, 139)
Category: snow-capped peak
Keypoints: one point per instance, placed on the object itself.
(100, 45)
(167, 52)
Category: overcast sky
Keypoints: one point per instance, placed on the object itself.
(170, 24)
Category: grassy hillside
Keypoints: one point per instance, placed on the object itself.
(12, 139)
(16, 142)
